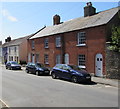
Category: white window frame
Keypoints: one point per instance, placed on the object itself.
(46, 42)
(46, 59)
(58, 59)
(33, 44)
(9, 50)
(81, 61)
(15, 49)
(81, 38)
(37, 57)
(66, 58)
(58, 41)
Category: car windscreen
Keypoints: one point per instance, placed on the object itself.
(40, 65)
(14, 63)
(75, 67)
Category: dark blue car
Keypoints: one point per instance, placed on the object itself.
(70, 72)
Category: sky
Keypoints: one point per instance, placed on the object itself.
(19, 19)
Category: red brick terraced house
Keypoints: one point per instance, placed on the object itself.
(80, 41)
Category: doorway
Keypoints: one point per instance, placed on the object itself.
(99, 65)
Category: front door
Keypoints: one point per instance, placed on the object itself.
(99, 65)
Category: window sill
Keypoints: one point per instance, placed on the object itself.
(82, 67)
(81, 45)
(46, 47)
(47, 63)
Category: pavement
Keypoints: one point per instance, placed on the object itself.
(106, 81)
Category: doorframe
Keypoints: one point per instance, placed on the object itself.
(100, 74)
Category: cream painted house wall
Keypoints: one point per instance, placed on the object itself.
(13, 53)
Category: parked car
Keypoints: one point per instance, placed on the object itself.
(12, 65)
(37, 68)
(70, 72)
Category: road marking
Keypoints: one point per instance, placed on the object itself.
(3, 104)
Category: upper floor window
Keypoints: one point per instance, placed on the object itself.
(81, 60)
(58, 41)
(9, 50)
(33, 44)
(46, 41)
(15, 49)
(81, 38)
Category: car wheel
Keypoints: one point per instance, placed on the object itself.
(6, 68)
(53, 75)
(10, 68)
(27, 71)
(74, 79)
(37, 73)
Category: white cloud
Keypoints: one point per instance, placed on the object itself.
(7, 14)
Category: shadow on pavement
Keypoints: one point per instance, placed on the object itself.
(83, 83)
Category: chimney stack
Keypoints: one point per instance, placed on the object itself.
(56, 20)
(89, 10)
(8, 39)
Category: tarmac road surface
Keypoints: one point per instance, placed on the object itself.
(20, 89)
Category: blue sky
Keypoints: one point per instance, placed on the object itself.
(23, 18)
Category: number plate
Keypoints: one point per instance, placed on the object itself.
(88, 77)
(46, 71)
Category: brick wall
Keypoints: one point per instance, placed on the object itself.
(95, 43)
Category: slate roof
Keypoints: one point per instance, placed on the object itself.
(19, 40)
(16, 41)
(79, 23)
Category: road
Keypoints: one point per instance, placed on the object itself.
(20, 89)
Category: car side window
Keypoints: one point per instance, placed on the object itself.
(65, 67)
(59, 66)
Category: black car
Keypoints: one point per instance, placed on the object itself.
(37, 68)
(12, 65)
(70, 72)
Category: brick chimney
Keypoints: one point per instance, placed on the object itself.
(56, 20)
(89, 10)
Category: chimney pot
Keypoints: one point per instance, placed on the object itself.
(89, 10)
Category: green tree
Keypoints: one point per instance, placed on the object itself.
(115, 43)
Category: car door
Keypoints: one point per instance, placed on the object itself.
(9, 65)
(33, 68)
(66, 72)
(58, 70)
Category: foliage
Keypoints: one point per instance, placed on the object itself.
(115, 44)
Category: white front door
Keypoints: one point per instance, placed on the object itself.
(99, 65)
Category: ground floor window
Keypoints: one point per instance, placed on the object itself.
(37, 58)
(58, 59)
(10, 58)
(46, 59)
(81, 60)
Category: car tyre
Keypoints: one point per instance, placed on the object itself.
(10, 68)
(27, 71)
(53, 75)
(74, 79)
(37, 73)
